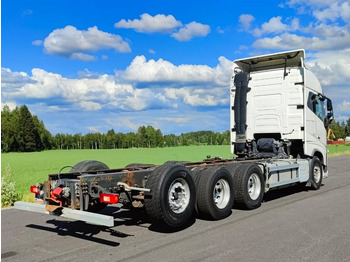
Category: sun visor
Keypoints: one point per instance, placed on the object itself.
(278, 60)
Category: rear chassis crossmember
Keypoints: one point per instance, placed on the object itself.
(91, 218)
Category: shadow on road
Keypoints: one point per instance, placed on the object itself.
(280, 193)
(126, 217)
(161, 228)
(80, 230)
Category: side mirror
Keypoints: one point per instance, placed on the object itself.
(329, 105)
(328, 119)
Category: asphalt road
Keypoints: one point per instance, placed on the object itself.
(291, 225)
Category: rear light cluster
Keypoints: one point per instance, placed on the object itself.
(104, 198)
(35, 190)
(109, 198)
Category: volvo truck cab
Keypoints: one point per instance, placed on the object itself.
(278, 109)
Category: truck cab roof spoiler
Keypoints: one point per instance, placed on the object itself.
(292, 58)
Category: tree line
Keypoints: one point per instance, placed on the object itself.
(24, 132)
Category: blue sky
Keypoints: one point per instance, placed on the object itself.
(90, 66)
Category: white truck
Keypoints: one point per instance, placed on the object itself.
(279, 117)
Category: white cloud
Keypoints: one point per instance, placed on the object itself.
(333, 12)
(275, 25)
(82, 56)
(324, 37)
(56, 108)
(219, 30)
(90, 106)
(12, 105)
(164, 71)
(37, 42)
(329, 29)
(73, 43)
(331, 67)
(290, 41)
(10, 81)
(191, 85)
(323, 10)
(123, 122)
(177, 120)
(165, 24)
(313, 4)
(198, 97)
(93, 129)
(245, 21)
(191, 30)
(344, 107)
(150, 24)
(43, 85)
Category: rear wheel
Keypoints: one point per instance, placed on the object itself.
(233, 167)
(249, 186)
(172, 197)
(215, 193)
(138, 165)
(91, 165)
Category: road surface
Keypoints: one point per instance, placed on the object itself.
(291, 225)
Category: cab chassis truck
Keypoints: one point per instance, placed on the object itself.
(279, 117)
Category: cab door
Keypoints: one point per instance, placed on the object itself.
(315, 131)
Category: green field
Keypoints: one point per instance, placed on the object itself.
(335, 150)
(31, 168)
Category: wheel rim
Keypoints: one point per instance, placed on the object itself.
(221, 193)
(179, 195)
(317, 174)
(254, 186)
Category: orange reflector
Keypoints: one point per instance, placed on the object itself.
(34, 189)
(109, 198)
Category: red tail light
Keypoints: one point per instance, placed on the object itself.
(109, 198)
(35, 190)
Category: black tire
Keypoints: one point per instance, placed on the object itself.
(133, 165)
(249, 186)
(138, 165)
(316, 173)
(167, 181)
(233, 167)
(91, 165)
(215, 193)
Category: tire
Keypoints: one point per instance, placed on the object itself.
(249, 186)
(91, 165)
(215, 193)
(172, 197)
(133, 165)
(138, 165)
(316, 173)
(233, 167)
